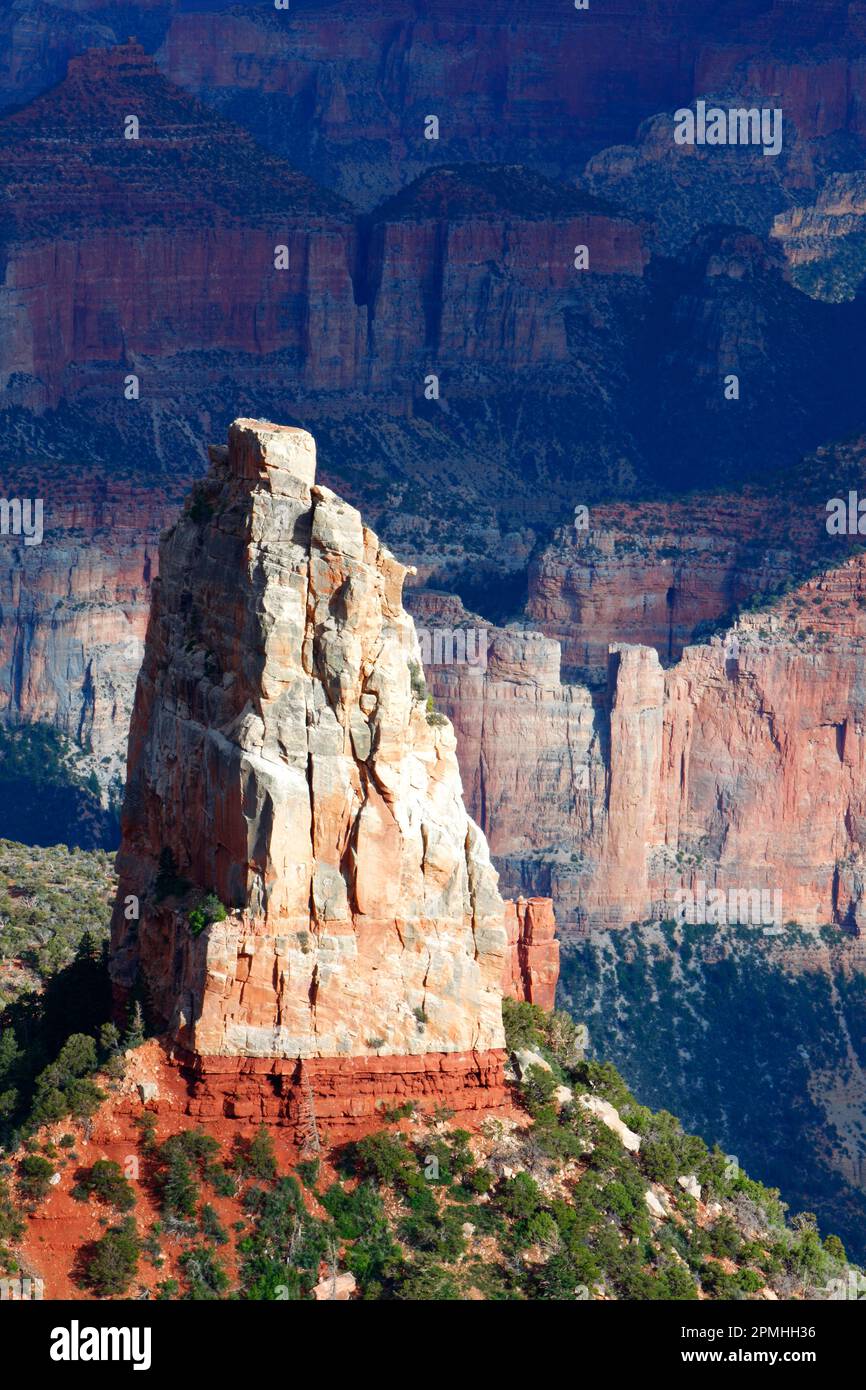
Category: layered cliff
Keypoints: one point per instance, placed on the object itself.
(309, 883)
(75, 608)
(173, 247)
(547, 762)
(475, 265)
(148, 280)
(344, 95)
(158, 262)
(823, 240)
(137, 226)
(736, 769)
(661, 574)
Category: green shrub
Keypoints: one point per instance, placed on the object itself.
(205, 913)
(221, 1180)
(34, 1178)
(524, 1025)
(256, 1157)
(417, 682)
(353, 1213)
(427, 1281)
(538, 1086)
(105, 1181)
(282, 1225)
(205, 1277)
(725, 1239)
(11, 1225)
(519, 1198)
(212, 1227)
(308, 1171)
(178, 1186)
(113, 1261)
(385, 1158)
(750, 1281)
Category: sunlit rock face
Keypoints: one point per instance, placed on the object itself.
(282, 757)
(736, 770)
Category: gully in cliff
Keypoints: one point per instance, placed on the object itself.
(319, 917)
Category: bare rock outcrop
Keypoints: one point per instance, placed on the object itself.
(532, 968)
(317, 910)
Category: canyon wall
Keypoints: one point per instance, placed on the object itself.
(147, 281)
(532, 964)
(74, 608)
(167, 266)
(344, 94)
(282, 759)
(166, 250)
(656, 573)
(740, 767)
(714, 762)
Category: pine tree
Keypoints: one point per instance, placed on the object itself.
(135, 1027)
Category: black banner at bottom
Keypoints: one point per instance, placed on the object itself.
(63, 1340)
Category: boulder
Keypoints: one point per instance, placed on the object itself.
(525, 1059)
(337, 1286)
(654, 1205)
(609, 1115)
(690, 1184)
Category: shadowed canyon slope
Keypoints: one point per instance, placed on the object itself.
(758, 1041)
(153, 284)
(343, 94)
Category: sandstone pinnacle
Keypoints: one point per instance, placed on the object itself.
(310, 884)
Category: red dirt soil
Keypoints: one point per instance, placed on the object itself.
(60, 1225)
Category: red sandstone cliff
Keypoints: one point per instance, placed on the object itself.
(739, 767)
(126, 250)
(343, 93)
(369, 84)
(653, 572)
(156, 256)
(532, 966)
